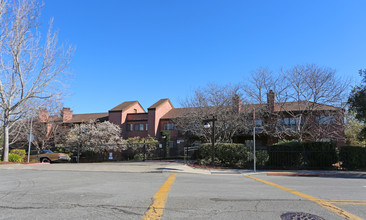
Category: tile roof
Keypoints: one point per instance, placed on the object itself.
(123, 106)
(78, 118)
(177, 112)
(161, 101)
(287, 106)
(300, 106)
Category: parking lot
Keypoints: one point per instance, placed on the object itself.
(51, 192)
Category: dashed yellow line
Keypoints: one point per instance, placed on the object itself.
(323, 203)
(156, 209)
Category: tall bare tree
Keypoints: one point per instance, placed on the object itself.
(30, 67)
(223, 102)
(302, 95)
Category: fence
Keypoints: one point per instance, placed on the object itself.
(128, 152)
(283, 157)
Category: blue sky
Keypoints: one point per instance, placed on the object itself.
(146, 50)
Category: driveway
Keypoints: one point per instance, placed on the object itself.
(163, 190)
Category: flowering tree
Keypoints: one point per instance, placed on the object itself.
(96, 137)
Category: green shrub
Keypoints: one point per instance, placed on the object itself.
(20, 152)
(262, 158)
(226, 154)
(15, 158)
(285, 155)
(138, 157)
(319, 155)
(353, 157)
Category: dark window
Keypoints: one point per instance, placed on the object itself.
(129, 127)
(289, 123)
(325, 120)
(139, 127)
(169, 126)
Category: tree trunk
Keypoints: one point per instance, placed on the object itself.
(6, 142)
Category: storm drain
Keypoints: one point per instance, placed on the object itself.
(299, 216)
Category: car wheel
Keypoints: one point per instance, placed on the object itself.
(45, 160)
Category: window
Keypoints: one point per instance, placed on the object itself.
(333, 140)
(290, 123)
(139, 127)
(129, 127)
(258, 123)
(147, 127)
(169, 126)
(258, 126)
(325, 120)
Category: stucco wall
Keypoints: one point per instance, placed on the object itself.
(155, 115)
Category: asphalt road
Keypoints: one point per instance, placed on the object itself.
(49, 194)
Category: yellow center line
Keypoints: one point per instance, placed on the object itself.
(347, 202)
(156, 209)
(323, 203)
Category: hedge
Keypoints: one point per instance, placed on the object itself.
(20, 152)
(15, 158)
(226, 154)
(319, 155)
(353, 157)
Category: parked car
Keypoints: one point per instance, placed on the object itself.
(47, 156)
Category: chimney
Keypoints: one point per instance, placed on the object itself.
(43, 115)
(236, 103)
(66, 114)
(270, 100)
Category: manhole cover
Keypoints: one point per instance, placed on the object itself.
(299, 216)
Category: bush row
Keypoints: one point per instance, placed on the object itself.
(353, 157)
(290, 155)
(294, 155)
(229, 155)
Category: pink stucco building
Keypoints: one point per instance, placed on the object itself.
(135, 121)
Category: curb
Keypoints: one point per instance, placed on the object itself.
(30, 164)
(339, 175)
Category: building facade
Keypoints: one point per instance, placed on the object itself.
(280, 119)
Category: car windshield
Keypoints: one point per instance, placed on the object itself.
(47, 151)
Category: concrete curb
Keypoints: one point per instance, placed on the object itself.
(340, 174)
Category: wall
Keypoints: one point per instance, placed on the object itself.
(155, 115)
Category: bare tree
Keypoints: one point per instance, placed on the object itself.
(309, 102)
(47, 131)
(29, 69)
(255, 88)
(314, 100)
(223, 102)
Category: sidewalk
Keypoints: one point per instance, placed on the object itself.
(175, 167)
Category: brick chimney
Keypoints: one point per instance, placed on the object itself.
(43, 115)
(66, 114)
(236, 103)
(270, 100)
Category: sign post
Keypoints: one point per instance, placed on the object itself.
(254, 166)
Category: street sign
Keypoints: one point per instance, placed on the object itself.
(30, 137)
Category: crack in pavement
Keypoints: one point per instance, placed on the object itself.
(68, 206)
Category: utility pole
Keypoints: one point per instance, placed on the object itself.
(254, 166)
(207, 125)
